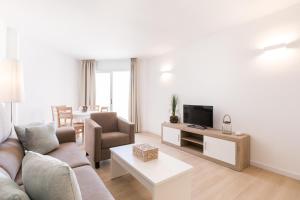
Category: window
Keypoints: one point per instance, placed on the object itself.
(112, 90)
(120, 92)
(103, 89)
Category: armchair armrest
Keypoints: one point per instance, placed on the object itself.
(126, 127)
(65, 134)
(92, 132)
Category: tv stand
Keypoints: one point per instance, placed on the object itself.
(232, 151)
(197, 126)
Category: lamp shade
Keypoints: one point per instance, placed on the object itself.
(11, 81)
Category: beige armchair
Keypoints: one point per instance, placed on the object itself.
(103, 131)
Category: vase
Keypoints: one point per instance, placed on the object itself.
(174, 119)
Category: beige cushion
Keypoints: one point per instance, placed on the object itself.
(5, 125)
(38, 138)
(114, 139)
(9, 190)
(47, 178)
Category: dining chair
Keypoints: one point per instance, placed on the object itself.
(65, 119)
(54, 112)
(104, 109)
(94, 108)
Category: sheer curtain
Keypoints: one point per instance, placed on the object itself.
(134, 114)
(88, 83)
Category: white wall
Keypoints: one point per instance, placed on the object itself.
(50, 78)
(259, 91)
(111, 65)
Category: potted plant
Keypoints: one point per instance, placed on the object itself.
(174, 103)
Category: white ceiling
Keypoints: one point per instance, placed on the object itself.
(128, 28)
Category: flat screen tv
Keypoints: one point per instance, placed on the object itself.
(198, 115)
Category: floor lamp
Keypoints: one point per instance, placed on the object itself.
(11, 83)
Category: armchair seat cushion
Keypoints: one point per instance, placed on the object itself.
(114, 139)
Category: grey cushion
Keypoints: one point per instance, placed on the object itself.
(21, 130)
(38, 138)
(9, 190)
(5, 125)
(47, 178)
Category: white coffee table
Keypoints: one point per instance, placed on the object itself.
(166, 177)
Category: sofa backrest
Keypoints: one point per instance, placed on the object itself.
(107, 120)
(11, 156)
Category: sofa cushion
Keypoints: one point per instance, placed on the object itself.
(9, 190)
(47, 178)
(91, 186)
(71, 154)
(11, 155)
(5, 125)
(41, 138)
(114, 139)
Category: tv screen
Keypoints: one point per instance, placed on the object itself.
(198, 115)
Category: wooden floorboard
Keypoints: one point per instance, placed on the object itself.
(210, 181)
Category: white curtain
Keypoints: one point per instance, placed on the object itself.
(88, 83)
(134, 114)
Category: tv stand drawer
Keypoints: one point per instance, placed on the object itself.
(171, 135)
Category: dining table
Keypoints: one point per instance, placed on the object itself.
(81, 116)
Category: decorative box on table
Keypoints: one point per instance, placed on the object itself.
(145, 152)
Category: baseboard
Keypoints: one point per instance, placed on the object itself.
(145, 131)
(276, 170)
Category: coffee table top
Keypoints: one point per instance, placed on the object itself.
(156, 171)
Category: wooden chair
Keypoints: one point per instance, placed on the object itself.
(94, 108)
(55, 114)
(104, 109)
(65, 119)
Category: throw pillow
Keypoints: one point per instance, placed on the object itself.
(39, 138)
(47, 178)
(5, 124)
(21, 131)
(9, 190)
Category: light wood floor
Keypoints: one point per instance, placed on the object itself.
(210, 181)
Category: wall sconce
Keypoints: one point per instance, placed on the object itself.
(166, 68)
(166, 75)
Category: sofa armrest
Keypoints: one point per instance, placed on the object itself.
(126, 127)
(65, 134)
(92, 132)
